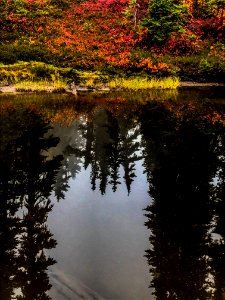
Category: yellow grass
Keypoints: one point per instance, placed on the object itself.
(40, 86)
(139, 83)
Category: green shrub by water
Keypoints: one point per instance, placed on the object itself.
(12, 52)
(198, 68)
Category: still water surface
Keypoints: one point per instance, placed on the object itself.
(114, 196)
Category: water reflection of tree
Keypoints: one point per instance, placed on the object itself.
(71, 141)
(27, 179)
(105, 144)
(217, 250)
(110, 143)
(180, 162)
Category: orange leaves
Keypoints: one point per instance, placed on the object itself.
(64, 116)
(8, 105)
(93, 32)
(197, 110)
(148, 65)
(215, 117)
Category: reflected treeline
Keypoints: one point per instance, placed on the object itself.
(106, 144)
(217, 251)
(110, 143)
(183, 152)
(27, 178)
(184, 161)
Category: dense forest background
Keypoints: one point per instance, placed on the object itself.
(161, 37)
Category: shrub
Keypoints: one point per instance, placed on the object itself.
(31, 70)
(198, 68)
(180, 43)
(11, 53)
(212, 69)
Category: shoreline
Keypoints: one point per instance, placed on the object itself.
(186, 84)
(11, 88)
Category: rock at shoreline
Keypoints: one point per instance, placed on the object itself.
(71, 88)
(8, 89)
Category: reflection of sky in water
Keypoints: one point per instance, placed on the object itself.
(101, 239)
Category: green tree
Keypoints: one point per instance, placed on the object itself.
(164, 18)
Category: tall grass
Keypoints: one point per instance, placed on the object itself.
(139, 83)
(40, 86)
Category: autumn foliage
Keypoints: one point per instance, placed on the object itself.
(121, 34)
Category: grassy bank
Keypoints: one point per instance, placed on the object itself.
(36, 76)
(55, 86)
(144, 83)
(42, 77)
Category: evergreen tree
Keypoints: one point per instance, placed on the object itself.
(164, 18)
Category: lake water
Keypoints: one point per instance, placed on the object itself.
(113, 196)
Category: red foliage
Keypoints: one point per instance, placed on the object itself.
(183, 43)
(211, 28)
(93, 33)
(98, 32)
(114, 5)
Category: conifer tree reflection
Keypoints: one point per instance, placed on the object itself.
(70, 145)
(101, 150)
(180, 164)
(32, 176)
(88, 151)
(9, 204)
(217, 249)
(114, 151)
(130, 147)
(110, 143)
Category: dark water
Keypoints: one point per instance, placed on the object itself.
(115, 196)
